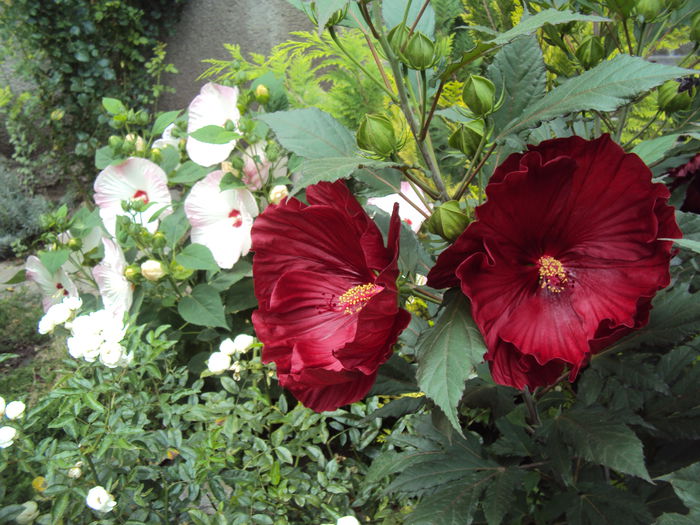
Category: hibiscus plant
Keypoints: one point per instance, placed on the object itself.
(442, 233)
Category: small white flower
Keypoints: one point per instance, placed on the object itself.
(277, 193)
(28, 514)
(100, 500)
(112, 355)
(218, 363)
(60, 312)
(167, 138)
(74, 303)
(46, 325)
(347, 520)
(7, 436)
(2, 406)
(152, 270)
(239, 345)
(14, 410)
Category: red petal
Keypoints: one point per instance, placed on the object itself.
(511, 368)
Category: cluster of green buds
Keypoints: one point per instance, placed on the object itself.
(376, 135)
(448, 221)
(131, 145)
(670, 99)
(415, 49)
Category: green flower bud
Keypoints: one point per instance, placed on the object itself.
(590, 52)
(467, 137)
(132, 273)
(670, 100)
(621, 7)
(115, 142)
(695, 27)
(74, 244)
(420, 52)
(179, 272)
(159, 240)
(398, 38)
(155, 155)
(650, 9)
(334, 19)
(262, 94)
(376, 135)
(448, 221)
(237, 164)
(479, 95)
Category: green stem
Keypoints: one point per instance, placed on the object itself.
(533, 417)
(429, 118)
(627, 36)
(88, 458)
(472, 172)
(641, 132)
(425, 295)
(174, 285)
(423, 101)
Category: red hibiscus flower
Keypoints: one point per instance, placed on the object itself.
(326, 287)
(564, 257)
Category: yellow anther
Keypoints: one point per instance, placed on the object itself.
(355, 299)
(553, 276)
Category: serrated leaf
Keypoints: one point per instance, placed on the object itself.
(53, 259)
(518, 69)
(499, 493)
(606, 87)
(392, 11)
(197, 257)
(311, 133)
(163, 121)
(113, 106)
(331, 169)
(603, 504)
(548, 16)
(203, 307)
(686, 485)
(678, 519)
(214, 135)
(688, 244)
(655, 149)
(447, 354)
(453, 505)
(597, 438)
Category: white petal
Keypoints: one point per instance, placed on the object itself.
(116, 291)
(54, 287)
(214, 105)
(407, 212)
(123, 182)
(255, 174)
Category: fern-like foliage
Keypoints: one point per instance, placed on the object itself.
(315, 72)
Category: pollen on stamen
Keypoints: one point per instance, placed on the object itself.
(553, 276)
(356, 298)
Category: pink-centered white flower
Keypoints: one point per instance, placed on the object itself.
(214, 106)
(408, 213)
(54, 286)
(221, 220)
(116, 291)
(135, 179)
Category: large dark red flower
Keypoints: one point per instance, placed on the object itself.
(326, 287)
(564, 257)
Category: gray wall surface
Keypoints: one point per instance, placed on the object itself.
(255, 25)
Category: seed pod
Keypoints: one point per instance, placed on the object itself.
(479, 95)
(650, 9)
(420, 52)
(468, 137)
(375, 134)
(448, 221)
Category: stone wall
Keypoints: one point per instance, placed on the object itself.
(255, 25)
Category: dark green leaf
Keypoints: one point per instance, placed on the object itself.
(311, 133)
(54, 259)
(686, 484)
(188, 173)
(499, 494)
(113, 106)
(104, 157)
(603, 504)
(214, 135)
(530, 24)
(678, 519)
(448, 353)
(174, 226)
(197, 257)
(454, 504)
(240, 296)
(203, 307)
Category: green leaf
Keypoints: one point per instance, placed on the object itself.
(606, 87)
(230, 182)
(104, 157)
(174, 226)
(412, 252)
(54, 259)
(686, 485)
(499, 494)
(6, 357)
(189, 172)
(603, 504)
(203, 307)
(311, 133)
(548, 16)
(453, 505)
(225, 279)
(214, 135)
(163, 121)
(597, 437)
(240, 296)
(688, 244)
(17, 278)
(447, 354)
(197, 257)
(331, 169)
(324, 10)
(654, 150)
(518, 69)
(113, 106)
(392, 11)
(678, 519)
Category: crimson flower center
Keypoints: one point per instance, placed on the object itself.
(236, 219)
(356, 298)
(140, 195)
(553, 275)
(61, 289)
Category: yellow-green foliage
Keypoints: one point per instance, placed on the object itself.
(499, 15)
(315, 73)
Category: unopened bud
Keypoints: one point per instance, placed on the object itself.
(132, 272)
(153, 270)
(75, 472)
(74, 244)
(115, 142)
(158, 240)
(448, 221)
(468, 137)
(375, 134)
(670, 100)
(262, 94)
(621, 7)
(179, 272)
(398, 38)
(156, 155)
(277, 193)
(650, 9)
(590, 52)
(479, 95)
(420, 52)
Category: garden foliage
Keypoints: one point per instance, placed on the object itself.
(527, 334)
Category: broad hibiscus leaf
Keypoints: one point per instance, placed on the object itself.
(599, 504)
(548, 16)
(203, 307)
(455, 504)
(330, 169)
(392, 11)
(163, 121)
(197, 257)
(686, 484)
(655, 149)
(688, 244)
(606, 87)
(448, 353)
(311, 133)
(53, 259)
(499, 493)
(596, 437)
